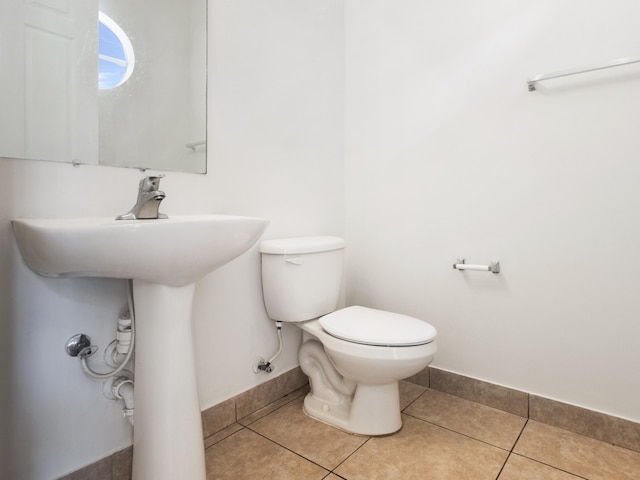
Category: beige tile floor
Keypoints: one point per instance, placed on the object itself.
(443, 437)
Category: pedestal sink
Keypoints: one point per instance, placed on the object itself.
(164, 258)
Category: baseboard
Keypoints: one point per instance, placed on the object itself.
(600, 426)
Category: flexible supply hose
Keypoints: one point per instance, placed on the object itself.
(266, 366)
(279, 330)
(102, 376)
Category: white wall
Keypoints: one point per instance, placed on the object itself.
(275, 151)
(448, 155)
(276, 126)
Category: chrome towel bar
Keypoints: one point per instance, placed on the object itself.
(493, 267)
(575, 71)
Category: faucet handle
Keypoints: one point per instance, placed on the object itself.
(150, 183)
(149, 198)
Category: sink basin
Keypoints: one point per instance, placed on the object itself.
(175, 251)
(164, 258)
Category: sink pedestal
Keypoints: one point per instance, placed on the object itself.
(167, 434)
(165, 258)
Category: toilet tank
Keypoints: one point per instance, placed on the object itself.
(301, 277)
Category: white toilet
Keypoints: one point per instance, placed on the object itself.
(354, 356)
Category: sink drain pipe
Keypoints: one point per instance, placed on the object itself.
(266, 367)
(122, 389)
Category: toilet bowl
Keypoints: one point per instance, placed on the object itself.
(355, 356)
(372, 405)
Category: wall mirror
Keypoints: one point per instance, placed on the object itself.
(105, 82)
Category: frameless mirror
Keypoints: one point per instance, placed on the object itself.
(108, 82)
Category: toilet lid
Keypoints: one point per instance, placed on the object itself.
(377, 327)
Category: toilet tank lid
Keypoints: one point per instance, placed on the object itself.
(298, 245)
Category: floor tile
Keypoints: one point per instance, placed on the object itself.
(323, 444)
(422, 450)
(258, 414)
(409, 392)
(222, 434)
(269, 391)
(520, 468)
(469, 418)
(245, 455)
(586, 457)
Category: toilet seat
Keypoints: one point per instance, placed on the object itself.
(369, 326)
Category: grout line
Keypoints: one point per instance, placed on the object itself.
(284, 399)
(532, 459)
(235, 409)
(265, 407)
(456, 432)
(503, 465)
(225, 437)
(333, 470)
(552, 466)
(241, 425)
(513, 446)
(334, 473)
(329, 471)
(414, 400)
(519, 435)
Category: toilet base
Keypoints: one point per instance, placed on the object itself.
(373, 410)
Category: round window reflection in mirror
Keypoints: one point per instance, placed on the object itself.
(116, 58)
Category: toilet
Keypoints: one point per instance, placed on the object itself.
(354, 356)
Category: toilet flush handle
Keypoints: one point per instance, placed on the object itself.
(295, 260)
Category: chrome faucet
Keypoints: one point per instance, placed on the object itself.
(149, 198)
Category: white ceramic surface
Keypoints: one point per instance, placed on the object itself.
(176, 251)
(164, 258)
(374, 408)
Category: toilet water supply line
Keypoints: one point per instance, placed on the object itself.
(122, 386)
(266, 367)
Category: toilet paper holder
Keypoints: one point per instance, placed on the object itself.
(493, 267)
